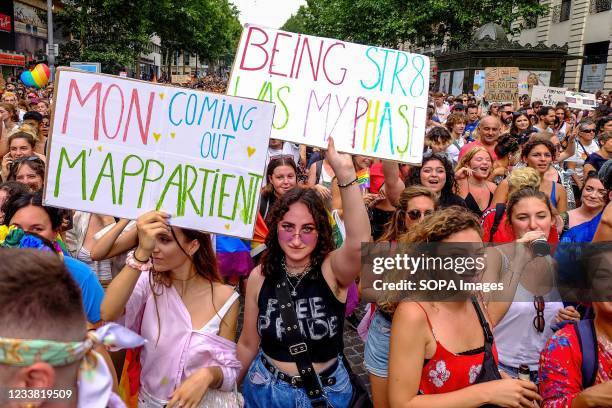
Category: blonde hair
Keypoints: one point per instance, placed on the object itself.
(467, 157)
(523, 178)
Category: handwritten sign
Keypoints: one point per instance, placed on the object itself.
(181, 79)
(548, 95)
(580, 100)
(501, 84)
(372, 100)
(123, 147)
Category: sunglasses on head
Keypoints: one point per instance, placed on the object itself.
(417, 214)
(29, 158)
(281, 157)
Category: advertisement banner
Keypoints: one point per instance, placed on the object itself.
(457, 82)
(580, 100)
(593, 76)
(529, 79)
(123, 147)
(371, 100)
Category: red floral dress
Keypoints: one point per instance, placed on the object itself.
(560, 368)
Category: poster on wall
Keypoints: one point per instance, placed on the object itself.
(457, 82)
(501, 84)
(444, 82)
(593, 76)
(479, 82)
(371, 100)
(529, 79)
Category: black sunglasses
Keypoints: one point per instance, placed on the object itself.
(25, 159)
(538, 321)
(588, 131)
(417, 214)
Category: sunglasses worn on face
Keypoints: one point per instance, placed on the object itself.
(538, 321)
(588, 131)
(417, 214)
(307, 235)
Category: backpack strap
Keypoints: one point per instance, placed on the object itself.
(500, 208)
(585, 329)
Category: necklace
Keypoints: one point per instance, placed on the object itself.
(298, 276)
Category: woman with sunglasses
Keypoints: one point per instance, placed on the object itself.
(472, 174)
(436, 173)
(415, 203)
(300, 254)
(522, 328)
(585, 146)
(443, 354)
(29, 171)
(281, 176)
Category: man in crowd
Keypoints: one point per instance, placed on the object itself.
(472, 123)
(488, 133)
(442, 109)
(546, 119)
(505, 115)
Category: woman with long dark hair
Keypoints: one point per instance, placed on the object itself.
(300, 258)
(436, 173)
(170, 292)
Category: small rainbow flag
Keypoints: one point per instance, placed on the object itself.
(363, 178)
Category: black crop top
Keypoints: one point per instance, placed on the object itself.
(320, 315)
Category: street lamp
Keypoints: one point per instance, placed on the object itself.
(50, 46)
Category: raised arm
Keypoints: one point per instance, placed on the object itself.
(119, 291)
(346, 261)
(114, 242)
(393, 183)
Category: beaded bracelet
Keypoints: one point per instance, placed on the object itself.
(348, 184)
(133, 263)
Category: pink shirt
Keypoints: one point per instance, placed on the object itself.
(171, 356)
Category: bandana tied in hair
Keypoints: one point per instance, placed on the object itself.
(95, 381)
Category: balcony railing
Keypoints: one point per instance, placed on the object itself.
(598, 6)
(561, 12)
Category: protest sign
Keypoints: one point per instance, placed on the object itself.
(580, 100)
(548, 95)
(371, 100)
(181, 79)
(123, 147)
(501, 84)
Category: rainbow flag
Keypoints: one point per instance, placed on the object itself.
(363, 178)
(235, 255)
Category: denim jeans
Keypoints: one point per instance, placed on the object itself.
(376, 353)
(513, 372)
(262, 390)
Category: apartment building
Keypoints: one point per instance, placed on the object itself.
(586, 27)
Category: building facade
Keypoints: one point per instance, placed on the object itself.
(586, 27)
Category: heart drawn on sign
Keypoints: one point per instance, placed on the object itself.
(250, 150)
(156, 136)
(172, 135)
(99, 148)
(161, 96)
(227, 227)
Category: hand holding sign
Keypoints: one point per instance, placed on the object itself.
(342, 163)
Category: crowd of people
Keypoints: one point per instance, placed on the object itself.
(83, 285)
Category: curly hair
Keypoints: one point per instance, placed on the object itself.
(397, 225)
(414, 176)
(530, 145)
(453, 119)
(273, 255)
(441, 225)
(506, 145)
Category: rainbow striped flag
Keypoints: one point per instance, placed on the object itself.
(363, 178)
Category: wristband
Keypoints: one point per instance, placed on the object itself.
(133, 263)
(138, 260)
(349, 183)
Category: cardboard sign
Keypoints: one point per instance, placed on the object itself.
(501, 84)
(123, 147)
(580, 100)
(548, 95)
(371, 100)
(181, 79)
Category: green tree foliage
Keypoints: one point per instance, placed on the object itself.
(420, 22)
(116, 32)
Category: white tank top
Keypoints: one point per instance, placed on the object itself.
(518, 341)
